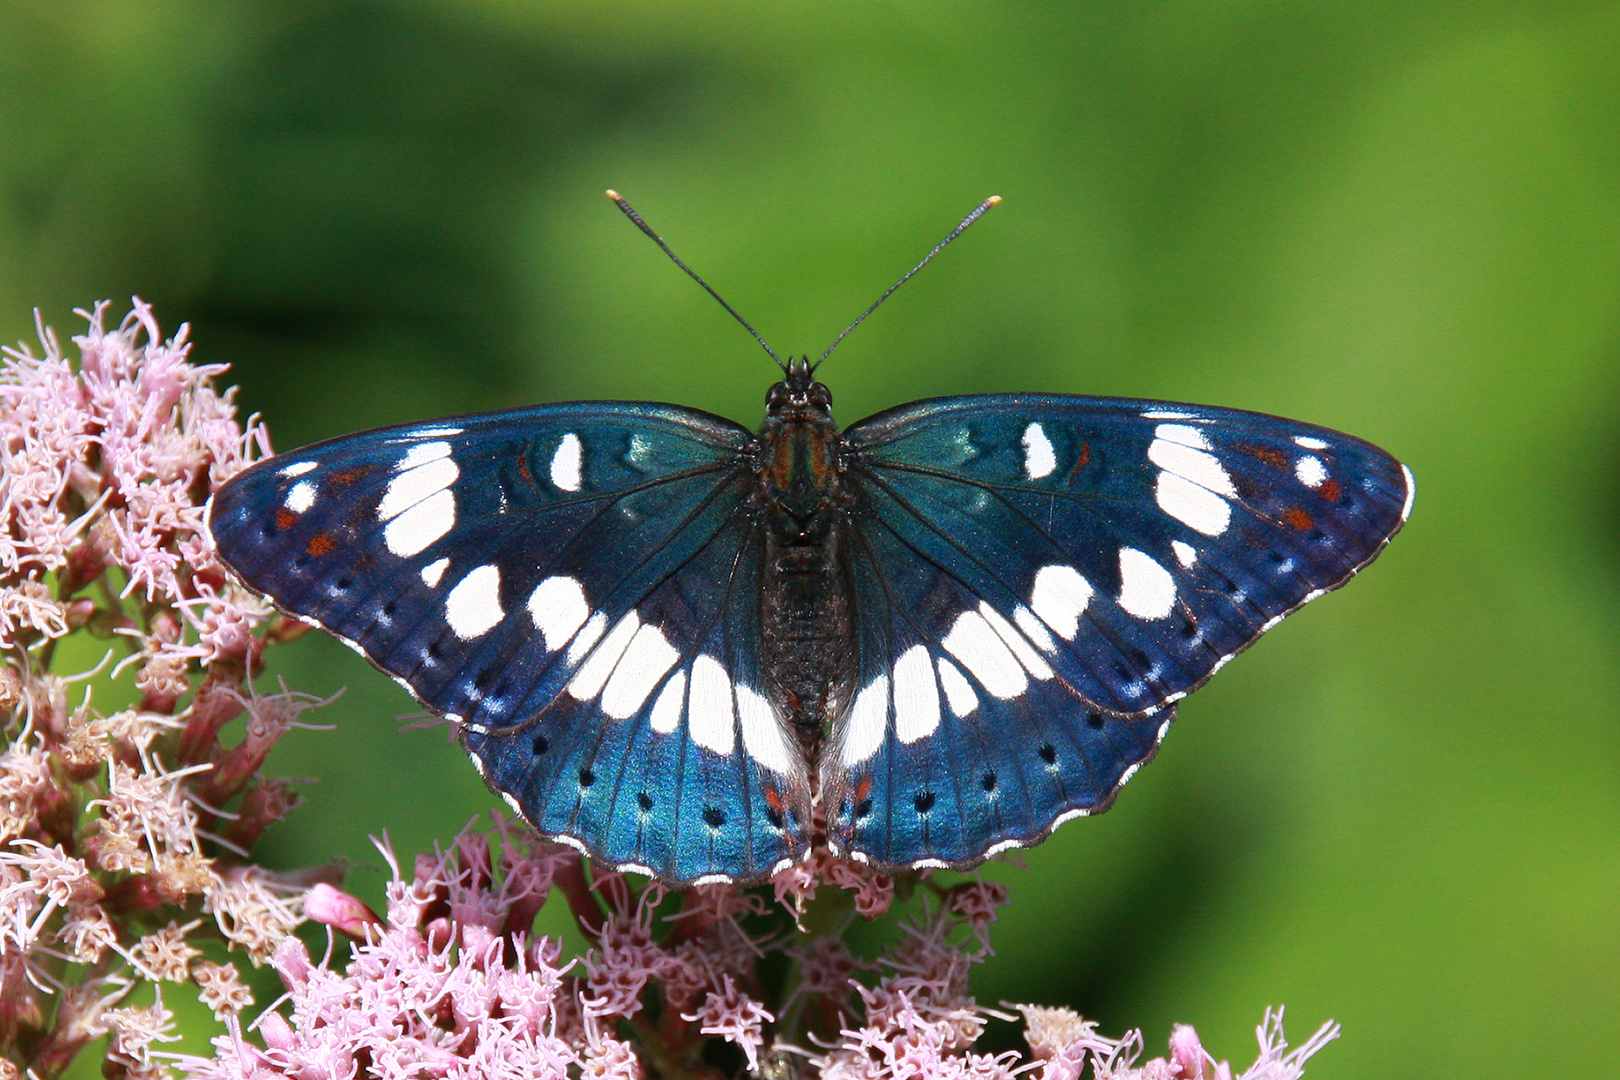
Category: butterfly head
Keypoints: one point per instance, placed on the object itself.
(799, 397)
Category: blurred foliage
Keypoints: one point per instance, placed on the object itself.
(1400, 219)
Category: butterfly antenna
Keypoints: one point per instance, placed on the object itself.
(630, 212)
(978, 212)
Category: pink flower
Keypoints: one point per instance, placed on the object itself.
(252, 909)
(797, 885)
(626, 958)
(1187, 1055)
(977, 902)
(165, 955)
(134, 1030)
(340, 911)
(735, 1017)
(423, 995)
(108, 822)
(445, 986)
(219, 986)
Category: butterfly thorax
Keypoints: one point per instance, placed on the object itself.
(808, 648)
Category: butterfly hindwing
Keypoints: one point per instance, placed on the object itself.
(662, 749)
(1039, 578)
(961, 740)
(543, 577)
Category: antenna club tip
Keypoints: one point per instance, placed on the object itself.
(616, 197)
(991, 201)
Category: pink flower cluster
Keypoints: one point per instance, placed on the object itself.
(452, 984)
(1066, 1044)
(113, 825)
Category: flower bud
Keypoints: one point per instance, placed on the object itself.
(340, 911)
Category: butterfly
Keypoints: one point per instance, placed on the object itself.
(687, 648)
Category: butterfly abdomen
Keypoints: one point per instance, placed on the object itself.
(807, 651)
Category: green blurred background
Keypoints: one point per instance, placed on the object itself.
(1399, 219)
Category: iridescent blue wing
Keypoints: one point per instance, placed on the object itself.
(575, 586)
(1039, 579)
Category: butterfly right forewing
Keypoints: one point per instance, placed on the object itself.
(1151, 542)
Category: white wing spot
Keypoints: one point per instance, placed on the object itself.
(435, 432)
(413, 485)
(1411, 492)
(762, 733)
(433, 571)
(980, 649)
(1193, 482)
(868, 721)
(1191, 462)
(916, 697)
(587, 637)
(1310, 471)
(641, 668)
(1014, 639)
(587, 681)
(1181, 433)
(1185, 554)
(959, 692)
(421, 454)
(1060, 595)
(709, 714)
(1193, 505)
(297, 468)
(1039, 458)
(1146, 589)
(413, 531)
(474, 605)
(1307, 443)
(1029, 624)
(1167, 414)
(301, 497)
(666, 712)
(566, 462)
(558, 609)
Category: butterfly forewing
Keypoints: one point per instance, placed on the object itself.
(544, 577)
(1149, 542)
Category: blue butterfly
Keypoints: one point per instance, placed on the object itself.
(684, 647)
